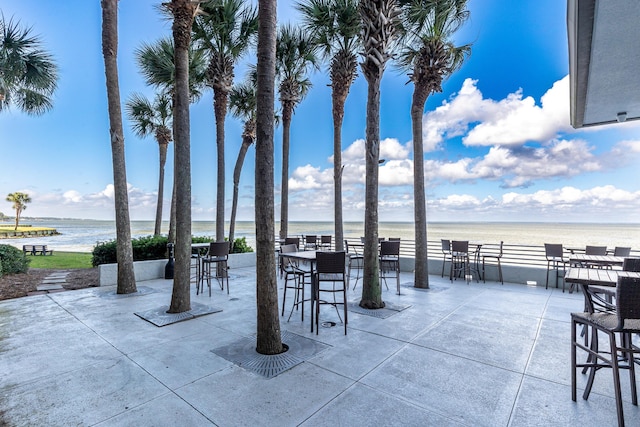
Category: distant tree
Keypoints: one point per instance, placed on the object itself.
(429, 55)
(242, 101)
(28, 74)
(225, 31)
(295, 56)
(126, 276)
(153, 118)
(19, 201)
(335, 26)
(268, 336)
(157, 65)
(379, 23)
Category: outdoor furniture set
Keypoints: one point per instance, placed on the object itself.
(464, 262)
(612, 307)
(217, 256)
(36, 250)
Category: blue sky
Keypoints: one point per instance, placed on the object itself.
(498, 145)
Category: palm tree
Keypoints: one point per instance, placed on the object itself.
(379, 20)
(19, 201)
(242, 101)
(156, 63)
(153, 118)
(295, 56)
(335, 26)
(28, 74)
(184, 12)
(225, 31)
(268, 336)
(430, 56)
(126, 276)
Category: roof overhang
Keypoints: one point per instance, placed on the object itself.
(604, 61)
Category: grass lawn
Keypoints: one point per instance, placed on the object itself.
(61, 260)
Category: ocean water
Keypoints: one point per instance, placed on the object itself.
(82, 235)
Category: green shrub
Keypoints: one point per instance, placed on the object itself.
(151, 247)
(240, 246)
(144, 248)
(12, 260)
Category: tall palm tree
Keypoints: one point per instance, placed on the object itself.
(153, 118)
(126, 276)
(242, 102)
(156, 63)
(28, 74)
(268, 336)
(379, 24)
(335, 26)
(184, 12)
(429, 55)
(295, 57)
(19, 201)
(225, 31)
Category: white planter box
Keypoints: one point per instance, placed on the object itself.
(150, 270)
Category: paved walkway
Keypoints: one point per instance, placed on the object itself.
(52, 283)
(457, 354)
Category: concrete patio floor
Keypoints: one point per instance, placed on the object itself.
(471, 355)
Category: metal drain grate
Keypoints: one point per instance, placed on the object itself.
(160, 317)
(141, 290)
(381, 313)
(243, 353)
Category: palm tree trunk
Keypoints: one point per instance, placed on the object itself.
(268, 337)
(163, 160)
(371, 290)
(421, 272)
(338, 117)
(220, 100)
(183, 12)
(247, 141)
(126, 276)
(287, 112)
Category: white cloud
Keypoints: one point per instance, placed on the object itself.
(511, 121)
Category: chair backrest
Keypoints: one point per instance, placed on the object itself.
(595, 250)
(325, 239)
(292, 240)
(390, 248)
(394, 239)
(330, 262)
(446, 246)
(631, 264)
(621, 251)
(628, 302)
(218, 249)
(310, 239)
(285, 249)
(460, 246)
(553, 250)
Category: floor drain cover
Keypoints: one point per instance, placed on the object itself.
(243, 353)
(328, 324)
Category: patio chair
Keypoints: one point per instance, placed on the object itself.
(446, 253)
(218, 254)
(390, 261)
(292, 272)
(631, 264)
(356, 262)
(493, 256)
(555, 259)
(292, 241)
(310, 243)
(595, 250)
(460, 260)
(330, 269)
(620, 326)
(621, 251)
(325, 243)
